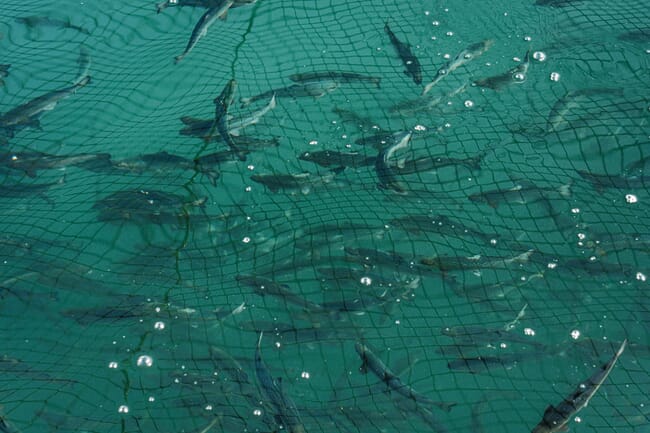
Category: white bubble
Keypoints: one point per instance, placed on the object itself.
(313, 142)
(551, 265)
(631, 198)
(519, 76)
(159, 326)
(250, 167)
(435, 23)
(450, 33)
(305, 375)
(529, 331)
(555, 76)
(540, 56)
(420, 128)
(528, 38)
(151, 399)
(366, 281)
(208, 407)
(641, 276)
(246, 239)
(469, 103)
(575, 210)
(575, 334)
(144, 361)
(112, 364)
(123, 409)
(257, 412)
(248, 189)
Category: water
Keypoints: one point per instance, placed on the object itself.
(86, 300)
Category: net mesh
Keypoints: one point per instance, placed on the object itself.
(487, 266)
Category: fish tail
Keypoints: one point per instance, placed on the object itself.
(178, 58)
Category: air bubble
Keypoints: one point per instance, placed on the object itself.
(631, 198)
(144, 361)
(555, 76)
(540, 56)
(469, 104)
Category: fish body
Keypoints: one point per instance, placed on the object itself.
(201, 28)
(556, 3)
(30, 162)
(337, 76)
(4, 72)
(440, 224)
(315, 89)
(384, 167)
(557, 118)
(435, 162)
(605, 181)
(640, 35)
(263, 286)
(199, 3)
(42, 21)
(285, 409)
(28, 113)
(556, 418)
(465, 56)
(492, 291)
(332, 158)
(448, 263)
(523, 192)
(19, 190)
(222, 103)
(516, 75)
(371, 362)
(301, 181)
(412, 64)
(164, 162)
(363, 123)
(424, 103)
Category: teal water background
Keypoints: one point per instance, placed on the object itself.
(64, 379)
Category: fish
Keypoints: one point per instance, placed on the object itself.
(370, 361)
(424, 103)
(219, 10)
(493, 291)
(4, 72)
(637, 167)
(303, 182)
(147, 206)
(557, 117)
(435, 162)
(479, 335)
(516, 75)
(315, 89)
(641, 35)
(286, 411)
(84, 61)
(199, 3)
(412, 64)
(468, 54)
(454, 263)
(27, 114)
(479, 364)
(19, 190)
(291, 334)
(333, 158)
(388, 259)
(363, 123)
(523, 192)
(384, 167)
(556, 418)
(556, 3)
(606, 181)
(263, 286)
(163, 162)
(222, 103)
(337, 76)
(440, 224)
(29, 162)
(43, 21)
(604, 243)
(199, 127)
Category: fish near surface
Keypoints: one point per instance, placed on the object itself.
(523, 192)
(516, 75)
(412, 64)
(201, 28)
(315, 89)
(556, 418)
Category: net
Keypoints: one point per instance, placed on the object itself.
(326, 249)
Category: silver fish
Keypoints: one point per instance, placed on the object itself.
(222, 105)
(338, 76)
(202, 26)
(523, 192)
(556, 418)
(384, 167)
(302, 182)
(315, 89)
(516, 75)
(333, 158)
(31, 162)
(453, 263)
(27, 114)
(373, 363)
(465, 56)
(285, 409)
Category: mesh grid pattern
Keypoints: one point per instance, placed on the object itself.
(92, 290)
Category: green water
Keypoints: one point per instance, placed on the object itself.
(64, 369)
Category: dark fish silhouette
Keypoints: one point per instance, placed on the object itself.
(413, 68)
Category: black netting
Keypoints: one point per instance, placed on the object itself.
(480, 251)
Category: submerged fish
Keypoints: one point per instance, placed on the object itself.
(556, 418)
(435, 162)
(516, 75)
(557, 117)
(363, 123)
(337, 76)
(199, 127)
(27, 114)
(222, 103)
(4, 72)
(424, 103)
(333, 158)
(523, 192)
(479, 364)
(373, 363)
(440, 224)
(219, 10)
(413, 68)
(454, 263)
(199, 3)
(43, 21)
(30, 162)
(385, 167)
(263, 286)
(605, 181)
(163, 162)
(640, 35)
(556, 3)
(303, 182)
(465, 56)
(286, 411)
(315, 89)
